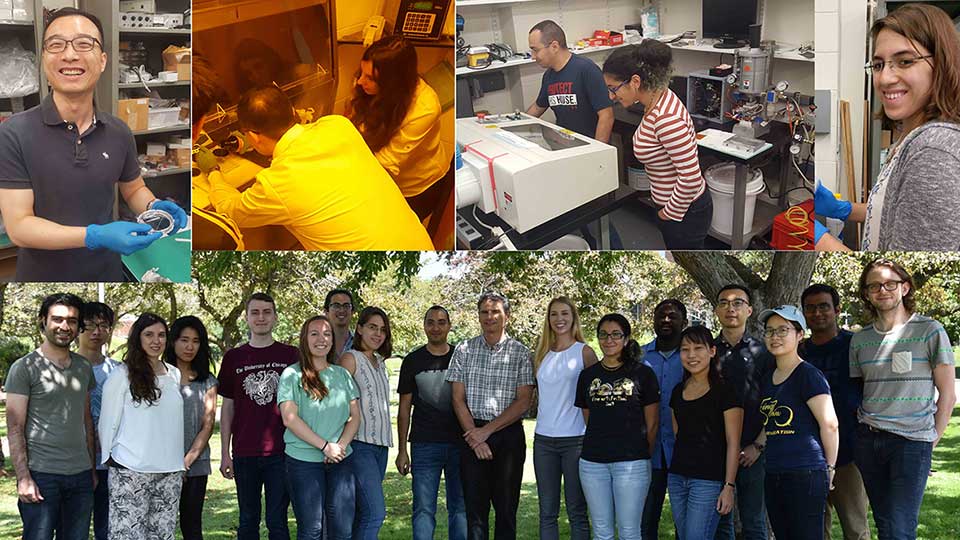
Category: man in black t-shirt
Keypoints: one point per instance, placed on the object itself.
(435, 431)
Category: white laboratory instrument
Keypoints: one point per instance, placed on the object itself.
(529, 171)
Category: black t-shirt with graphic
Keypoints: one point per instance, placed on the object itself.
(575, 94)
(616, 428)
(424, 374)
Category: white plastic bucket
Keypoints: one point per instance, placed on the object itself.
(721, 179)
(637, 178)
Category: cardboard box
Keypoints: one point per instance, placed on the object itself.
(608, 38)
(135, 112)
(180, 154)
(177, 59)
(183, 71)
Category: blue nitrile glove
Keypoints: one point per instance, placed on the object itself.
(205, 159)
(124, 237)
(819, 229)
(827, 204)
(172, 208)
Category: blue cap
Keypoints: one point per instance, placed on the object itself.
(788, 312)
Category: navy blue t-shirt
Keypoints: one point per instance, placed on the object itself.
(793, 434)
(575, 93)
(833, 359)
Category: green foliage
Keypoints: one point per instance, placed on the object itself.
(10, 350)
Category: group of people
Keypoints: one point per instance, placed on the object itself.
(780, 428)
(366, 180)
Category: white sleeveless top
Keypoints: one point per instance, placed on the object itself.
(374, 385)
(557, 376)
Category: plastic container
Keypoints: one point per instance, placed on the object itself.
(637, 178)
(160, 118)
(570, 242)
(720, 180)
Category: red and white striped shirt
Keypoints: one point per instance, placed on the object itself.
(666, 144)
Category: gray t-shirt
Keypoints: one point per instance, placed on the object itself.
(897, 372)
(193, 421)
(55, 431)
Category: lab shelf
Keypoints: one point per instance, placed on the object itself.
(166, 129)
(150, 31)
(152, 84)
(522, 61)
(24, 24)
(464, 3)
(166, 172)
(709, 48)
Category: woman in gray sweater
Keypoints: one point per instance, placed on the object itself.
(914, 201)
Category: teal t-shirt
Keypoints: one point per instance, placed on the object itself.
(325, 417)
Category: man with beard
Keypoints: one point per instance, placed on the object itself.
(828, 348)
(902, 358)
(50, 427)
(338, 307)
(435, 434)
(663, 356)
(250, 420)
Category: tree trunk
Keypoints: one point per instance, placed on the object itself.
(790, 273)
(3, 300)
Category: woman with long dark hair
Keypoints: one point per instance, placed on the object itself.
(707, 420)
(141, 436)
(620, 398)
(561, 356)
(398, 115)
(372, 345)
(665, 142)
(318, 401)
(188, 349)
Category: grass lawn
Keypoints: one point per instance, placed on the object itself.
(939, 516)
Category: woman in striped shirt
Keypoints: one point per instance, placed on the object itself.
(665, 142)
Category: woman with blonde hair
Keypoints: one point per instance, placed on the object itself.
(915, 71)
(560, 356)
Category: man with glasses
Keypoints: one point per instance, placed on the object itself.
(96, 333)
(743, 361)
(338, 307)
(51, 429)
(251, 424)
(62, 162)
(492, 386)
(904, 360)
(828, 349)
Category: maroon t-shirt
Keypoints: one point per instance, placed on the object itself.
(249, 377)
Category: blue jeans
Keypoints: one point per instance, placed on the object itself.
(554, 457)
(750, 504)
(321, 492)
(253, 474)
(694, 505)
(66, 507)
(615, 494)
(894, 471)
(427, 461)
(369, 469)
(796, 501)
(101, 507)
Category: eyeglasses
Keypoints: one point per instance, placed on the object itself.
(81, 44)
(736, 303)
(887, 286)
(338, 306)
(90, 326)
(618, 87)
(899, 64)
(603, 336)
(780, 332)
(813, 308)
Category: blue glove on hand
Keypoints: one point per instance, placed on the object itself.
(819, 229)
(124, 237)
(826, 204)
(172, 208)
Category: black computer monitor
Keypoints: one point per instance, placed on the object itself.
(729, 21)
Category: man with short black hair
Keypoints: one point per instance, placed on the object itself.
(251, 424)
(98, 322)
(323, 183)
(62, 162)
(50, 428)
(434, 433)
(338, 307)
(492, 385)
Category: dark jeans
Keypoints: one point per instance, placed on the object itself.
(692, 231)
(554, 457)
(101, 507)
(369, 469)
(66, 507)
(191, 507)
(750, 504)
(653, 507)
(322, 492)
(252, 475)
(427, 461)
(894, 471)
(494, 481)
(796, 501)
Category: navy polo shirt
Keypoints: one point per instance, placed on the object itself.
(74, 179)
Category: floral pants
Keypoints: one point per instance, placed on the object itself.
(143, 506)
